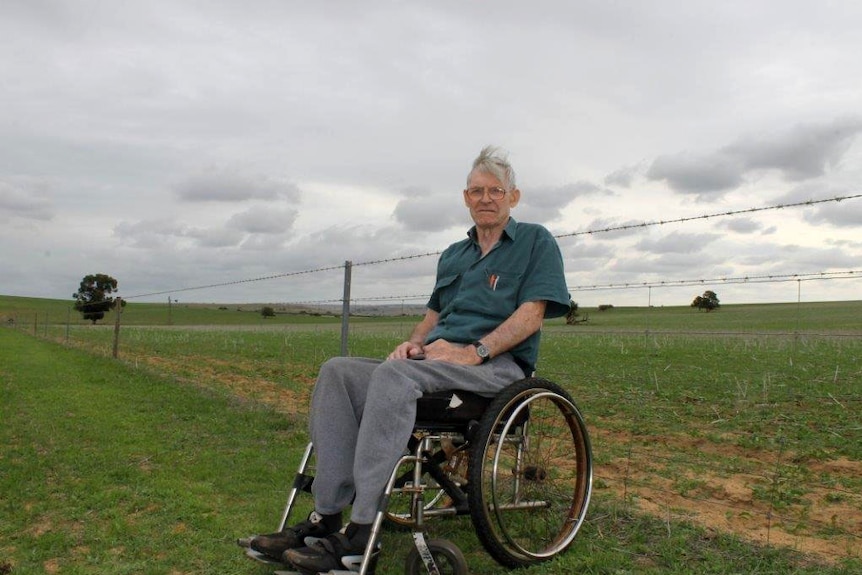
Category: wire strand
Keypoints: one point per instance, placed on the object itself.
(640, 225)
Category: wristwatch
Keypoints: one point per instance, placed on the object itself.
(482, 351)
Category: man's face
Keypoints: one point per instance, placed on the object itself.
(486, 211)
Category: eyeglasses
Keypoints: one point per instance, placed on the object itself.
(477, 193)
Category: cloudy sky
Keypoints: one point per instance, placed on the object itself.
(189, 143)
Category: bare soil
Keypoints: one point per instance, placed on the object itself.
(824, 521)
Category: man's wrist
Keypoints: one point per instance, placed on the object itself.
(482, 351)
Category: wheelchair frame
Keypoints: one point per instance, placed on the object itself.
(528, 455)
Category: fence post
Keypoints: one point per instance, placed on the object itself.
(345, 306)
(119, 303)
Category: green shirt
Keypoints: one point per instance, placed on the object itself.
(475, 294)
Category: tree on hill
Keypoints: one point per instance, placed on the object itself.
(574, 316)
(93, 296)
(708, 301)
(267, 311)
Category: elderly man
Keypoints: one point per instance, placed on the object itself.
(480, 333)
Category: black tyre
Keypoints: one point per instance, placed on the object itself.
(530, 473)
(448, 558)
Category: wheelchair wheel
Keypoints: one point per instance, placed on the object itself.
(448, 558)
(399, 509)
(530, 473)
(400, 502)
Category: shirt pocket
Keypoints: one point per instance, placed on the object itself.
(500, 290)
(445, 290)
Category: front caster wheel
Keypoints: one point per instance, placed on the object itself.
(447, 557)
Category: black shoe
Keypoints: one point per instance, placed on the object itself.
(275, 544)
(335, 552)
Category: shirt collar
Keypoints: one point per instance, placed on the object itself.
(510, 230)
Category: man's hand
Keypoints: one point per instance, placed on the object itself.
(410, 348)
(406, 350)
(461, 354)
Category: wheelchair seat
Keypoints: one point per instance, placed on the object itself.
(449, 410)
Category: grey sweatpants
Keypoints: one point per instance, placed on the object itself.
(362, 415)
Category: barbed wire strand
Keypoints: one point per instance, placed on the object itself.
(708, 216)
(771, 278)
(639, 225)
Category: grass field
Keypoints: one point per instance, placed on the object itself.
(726, 442)
(830, 317)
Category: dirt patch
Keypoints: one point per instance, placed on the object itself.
(818, 517)
(824, 519)
(227, 375)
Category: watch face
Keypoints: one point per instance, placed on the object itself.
(483, 351)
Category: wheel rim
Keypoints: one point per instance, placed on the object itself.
(538, 489)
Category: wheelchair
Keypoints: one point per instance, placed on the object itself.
(519, 464)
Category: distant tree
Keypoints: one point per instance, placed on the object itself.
(573, 317)
(267, 311)
(708, 301)
(92, 298)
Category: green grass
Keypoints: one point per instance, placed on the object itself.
(111, 469)
(831, 317)
(40, 311)
(157, 462)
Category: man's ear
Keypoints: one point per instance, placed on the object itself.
(515, 197)
(466, 199)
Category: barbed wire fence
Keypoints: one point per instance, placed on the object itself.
(748, 485)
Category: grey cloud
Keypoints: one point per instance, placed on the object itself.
(669, 268)
(772, 258)
(844, 213)
(803, 152)
(24, 201)
(263, 242)
(159, 227)
(806, 258)
(544, 204)
(606, 229)
(215, 237)
(264, 220)
(845, 244)
(700, 175)
(426, 212)
(227, 186)
(149, 234)
(585, 256)
(334, 245)
(741, 225)
(847, 213)
(677, 243)
(623, 176)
